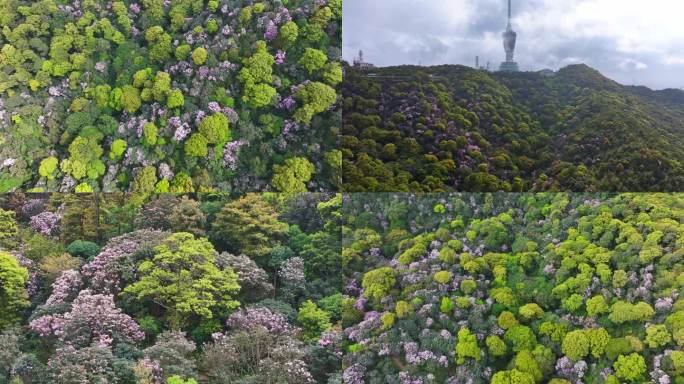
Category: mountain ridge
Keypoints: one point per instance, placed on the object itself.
(574, 130)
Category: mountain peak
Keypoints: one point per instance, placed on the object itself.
(585, 76)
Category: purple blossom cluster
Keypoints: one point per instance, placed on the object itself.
(569, 370)
(199, 116)
(214, 107)
(288, 103)
(165, 171)
(405, 378)
(292, 272)
(282, 16)
(280, 57)
(94, 314)
(230, 114)
(251, 317)
(298, 369)
(149, 371)
(271, 31)
(181, 132)
(230, 153)
(46, 223)
(290, 126)
(66, 287)
(33, 283)
(354, 374)
(103, 271)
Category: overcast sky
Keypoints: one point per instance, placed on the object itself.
(637, 42)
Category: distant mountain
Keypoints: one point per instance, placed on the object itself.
(457, 128)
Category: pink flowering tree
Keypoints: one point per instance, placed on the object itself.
(93, 319)
(260, 342)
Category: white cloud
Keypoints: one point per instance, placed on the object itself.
(624, 39)
(674, 60)
(630, 64)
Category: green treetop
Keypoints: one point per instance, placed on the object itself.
(315, 98)
(631, 368)
(215, 128)
(293, 175)
(289, 32)
(256, 75)
(8, 229)
(260, 95)
(313, 60)
(150, 134)
(118, 148)
(161, 86)
(13, 295)
(466, 346)
(196, 146)
(657, 336)
(144, 181)
(159, 44)
(175, 379)
(130, 99)
(576, 345)
(525, 362)
(199, 56)
(622, 311)
(313, 320)
(181, 183)
(101, 95)
(83, 188)
(115, 101)
(677, 358)
(531, 311)
(47, 167)
(175, 99)
(248, 226)
(182, 278)
(443, 277)
(521, 337)
(495, 345)
(142, 77)
(85, 159)
(182, 51)
(598, 341)
(596, 306)
(513, 376)
(259, 67)
(378, 282)
(333, 74)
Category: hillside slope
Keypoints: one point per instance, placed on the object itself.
(456, 128)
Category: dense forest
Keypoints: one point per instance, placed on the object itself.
(169, 95)
(116, 288)
(454, 128)
(513, 288)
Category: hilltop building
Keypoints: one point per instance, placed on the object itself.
(359, 63)
(547, 73)
(481, 67)
(509, 39)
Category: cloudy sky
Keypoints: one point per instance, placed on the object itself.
(637, 42)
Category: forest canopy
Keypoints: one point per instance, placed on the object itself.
(454, 128)
(173, 96)
(130, 289)
(513, 288)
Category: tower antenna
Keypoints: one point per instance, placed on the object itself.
(509, 39)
